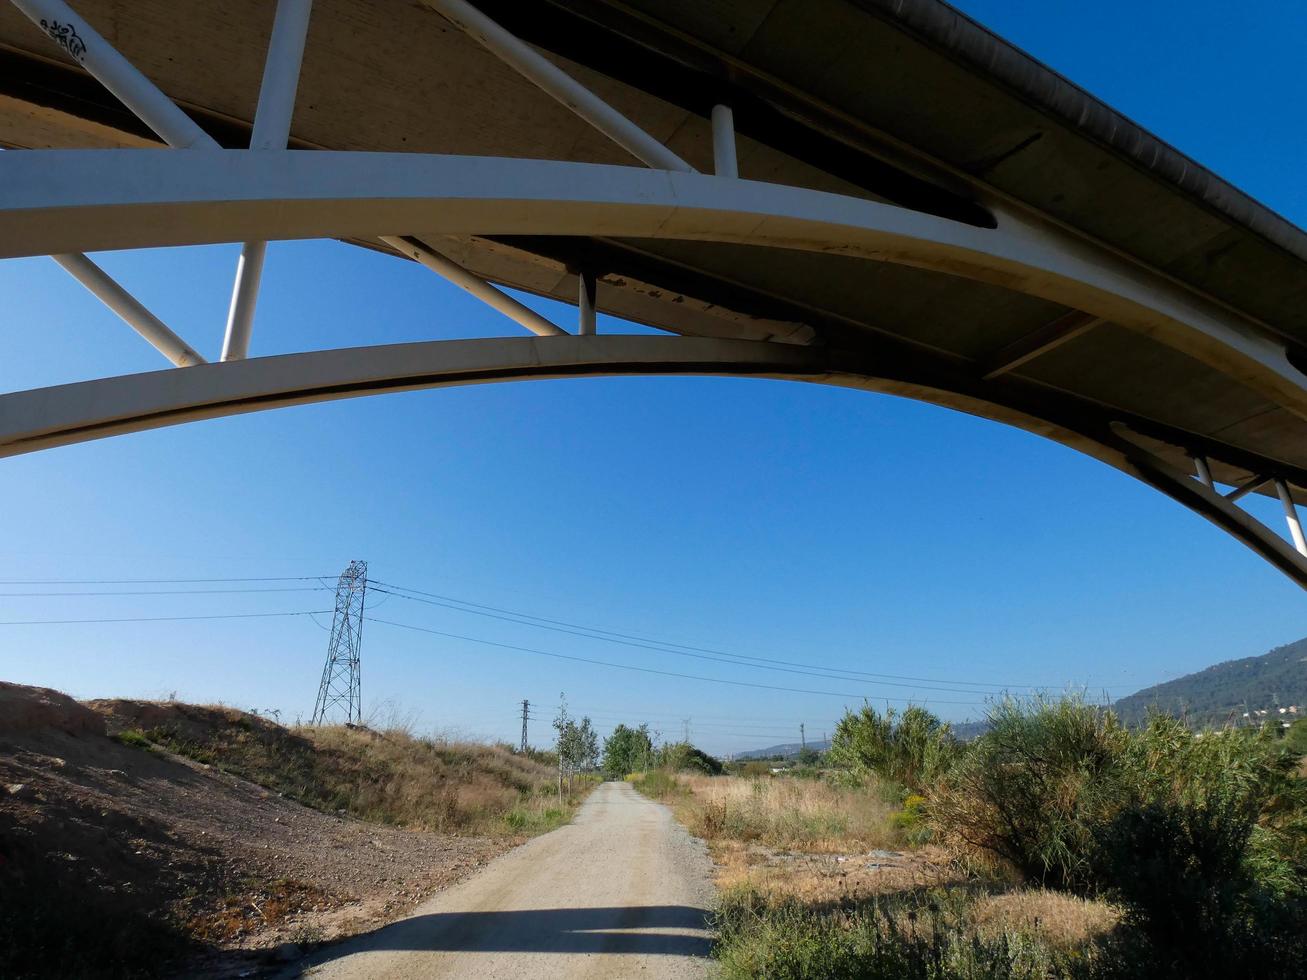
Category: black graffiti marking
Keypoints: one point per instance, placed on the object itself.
(66, 36)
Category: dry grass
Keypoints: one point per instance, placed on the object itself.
(828, 879)
(802, 852)
(390, 776)
(1056, 917)
(255, 908)
(430, 784)
(807, 815)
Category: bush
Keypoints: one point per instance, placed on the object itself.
(134, 737)
(1196, 847)
(913, 749)
(1200, 837)
(1031, 790)
(684, 757)
(1295, 739)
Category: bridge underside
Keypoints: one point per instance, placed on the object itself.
(1101, 292)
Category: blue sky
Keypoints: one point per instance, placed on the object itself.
(760, 518)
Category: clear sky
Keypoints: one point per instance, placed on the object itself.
(759, 518)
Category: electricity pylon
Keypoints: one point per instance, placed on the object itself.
(526, 711)
(341, 684)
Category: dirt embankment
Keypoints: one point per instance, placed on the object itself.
(118, 857)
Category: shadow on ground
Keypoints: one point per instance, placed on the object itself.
(620, 929)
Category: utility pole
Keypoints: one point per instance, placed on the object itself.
(685, 730)
(341, 684)
(803, 739)
(526, 708)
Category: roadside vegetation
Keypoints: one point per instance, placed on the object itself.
(1059, 844)
(391, 776)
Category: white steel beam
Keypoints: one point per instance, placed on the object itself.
(588, 323)
(1291, 515)
(272, 117)
(127, 306)
(62, 201)
(478, 287)
(551, 79)
(67, 414)
(84, 45)
(723, 142)
(84, 411)
(1252, 486)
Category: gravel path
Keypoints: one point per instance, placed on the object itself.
(620, 892)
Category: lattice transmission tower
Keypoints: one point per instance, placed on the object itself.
(340, 685)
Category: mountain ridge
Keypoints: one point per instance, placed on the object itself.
(1216, 695)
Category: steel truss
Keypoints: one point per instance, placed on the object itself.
(62, 203)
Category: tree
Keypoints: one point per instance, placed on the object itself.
(577, 744)
(626, 750)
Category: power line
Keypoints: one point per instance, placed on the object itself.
(156, 592)
(637, 716)
(736, 660)
(663, 646)
(643, 670)
(160, 619)
(157, 581)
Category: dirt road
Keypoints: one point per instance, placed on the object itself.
(620, 892)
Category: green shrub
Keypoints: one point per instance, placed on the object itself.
(1032, 789)
(913, 749)
(658, 783)
(1196, 846)
(1295, 739)
(684, 757)
(1198, 836)
(134, 737)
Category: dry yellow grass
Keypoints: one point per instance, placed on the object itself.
(1058, 918)
(388, 776)
(429, 783)
(803, 814)
(834, 847)
(827, 879)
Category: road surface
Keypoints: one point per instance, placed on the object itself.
(622, 891)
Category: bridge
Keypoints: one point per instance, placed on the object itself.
(877, 194)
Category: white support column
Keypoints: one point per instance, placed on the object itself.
(723, 142)
(127, 306)
(475, 285)
(585, 303)
(83, 43)
(535, 67)
(281, 73)
(1291, 515)
(1204, 471)
(1253, 485)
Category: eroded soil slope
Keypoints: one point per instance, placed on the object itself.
(117, 858)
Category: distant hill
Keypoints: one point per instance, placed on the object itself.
(1214, 696)
(789, 750)
(1217, 694)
